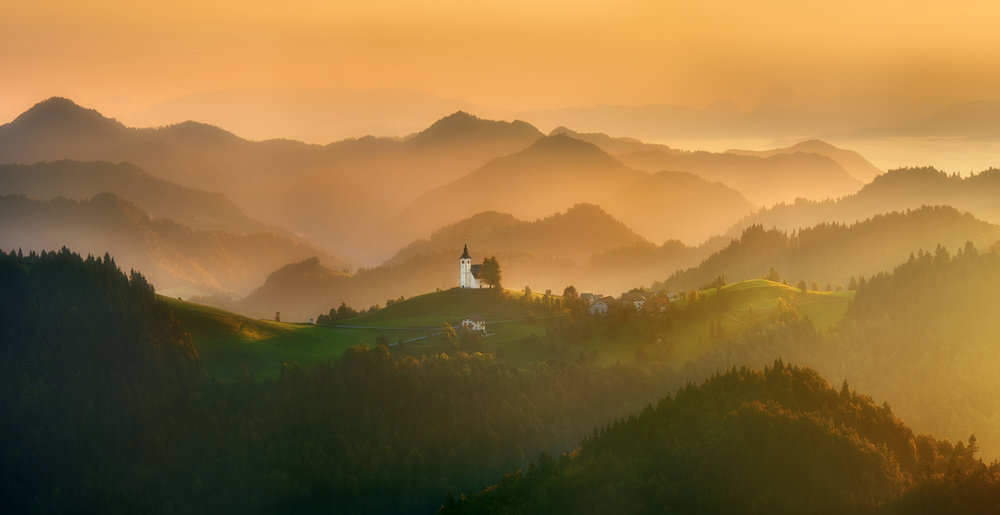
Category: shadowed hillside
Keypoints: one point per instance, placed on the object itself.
(780, 440)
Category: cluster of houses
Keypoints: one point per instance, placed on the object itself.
(640, 300)
(468, 277)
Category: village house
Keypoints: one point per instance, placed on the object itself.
(634, 298)
(475, 323)
(600, 306)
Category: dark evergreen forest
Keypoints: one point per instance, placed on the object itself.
(781, 440)
(106, 409)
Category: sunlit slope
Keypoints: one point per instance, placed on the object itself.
(226, 341)
(746, 306)
(431, 309)
(511, 325)
(518, 331)
(523, 337)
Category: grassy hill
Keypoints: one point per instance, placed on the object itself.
(520, 331)
(226, 342)
(685, 332)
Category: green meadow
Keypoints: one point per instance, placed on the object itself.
(226, 341)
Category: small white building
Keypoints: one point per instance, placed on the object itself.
(635, 298)
(600, 306)
(475, 323)
(468, 274)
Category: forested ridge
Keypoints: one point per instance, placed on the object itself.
(832, 253)
(777, 440)
(923, 336)
(106, 409)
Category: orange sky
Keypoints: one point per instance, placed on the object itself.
(120, 57)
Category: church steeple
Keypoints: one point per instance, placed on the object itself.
(465, 254)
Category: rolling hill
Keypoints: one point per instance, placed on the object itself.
(305, 289)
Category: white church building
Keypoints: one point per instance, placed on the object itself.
(468, 274)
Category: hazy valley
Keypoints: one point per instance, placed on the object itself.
(787, 330)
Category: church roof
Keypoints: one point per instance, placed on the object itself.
(475, 271)
(465, 254)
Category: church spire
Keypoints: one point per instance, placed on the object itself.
(465, 254)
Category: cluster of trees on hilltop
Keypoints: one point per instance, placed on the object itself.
(107, 410)
(781, 440)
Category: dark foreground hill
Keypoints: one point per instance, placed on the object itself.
(781, 440)
(106, 410)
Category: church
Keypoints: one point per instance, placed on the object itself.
(468, 274)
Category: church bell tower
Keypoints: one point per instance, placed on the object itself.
(465, 269)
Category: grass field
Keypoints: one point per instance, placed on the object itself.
(747, 301)
(226, 341)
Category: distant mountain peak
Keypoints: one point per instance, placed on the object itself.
(462, 125)
(59, 110)
(563, 143)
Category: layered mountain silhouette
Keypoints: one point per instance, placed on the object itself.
(334, 195)
(896, 190)
(831, 253)
(852, 162)
(174, 257)
(159, 198)
(579, 233)
(764, 181)
(558, 172)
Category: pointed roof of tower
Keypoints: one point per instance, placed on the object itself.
(465, 255)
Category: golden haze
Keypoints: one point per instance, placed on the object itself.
(119, 57)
